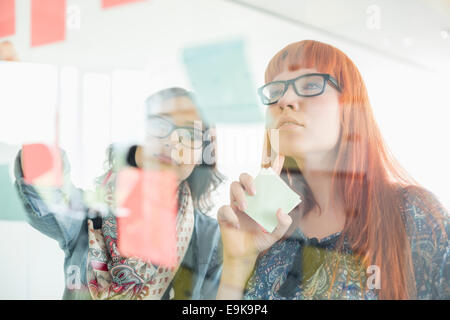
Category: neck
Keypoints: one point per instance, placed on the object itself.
(317, 169)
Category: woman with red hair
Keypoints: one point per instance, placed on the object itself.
(364, 229)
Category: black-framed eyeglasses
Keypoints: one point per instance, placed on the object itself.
(160, 127)
(307, 85)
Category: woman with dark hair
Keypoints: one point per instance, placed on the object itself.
(365, 229)
(90, 242)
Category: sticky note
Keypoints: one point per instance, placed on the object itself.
(12, 208)
(42, 165)
(148, 230)
(126, 183)
(48, 21)
(7, 18)
(113, 3)
(222, 82)
(272, 193)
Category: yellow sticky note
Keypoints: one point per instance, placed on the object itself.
(272, 193)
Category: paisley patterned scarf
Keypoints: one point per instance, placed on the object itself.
(111, 276)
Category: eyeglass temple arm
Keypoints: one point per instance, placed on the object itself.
(334, 83)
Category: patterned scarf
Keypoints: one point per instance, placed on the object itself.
(111, 276)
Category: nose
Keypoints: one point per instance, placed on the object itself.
(290, 99)
(163, 145)
(172, 140)
(175, 140)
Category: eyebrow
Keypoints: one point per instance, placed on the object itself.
(164, 115)
(170, 115)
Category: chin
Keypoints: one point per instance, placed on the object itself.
(292, 150)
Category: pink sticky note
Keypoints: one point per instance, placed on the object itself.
(113, 3)
(42, 165)
(48, 21)
(148, 231)
(7, 18)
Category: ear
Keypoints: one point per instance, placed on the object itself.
(270, 156)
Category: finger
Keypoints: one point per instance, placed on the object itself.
(276, 160)
(271, 157)
(237, 195)
(284, 222)
(265, 159)
(227, 217)
(277, 164)
(247, 182)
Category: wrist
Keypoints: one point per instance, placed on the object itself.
(237, 271)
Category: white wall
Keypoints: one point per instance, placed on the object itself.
(120, 55)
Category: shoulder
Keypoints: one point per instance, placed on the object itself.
(429, 241)
(205, 224)
(208, 237)
(421, 204)
(419, 196)
(425, 215)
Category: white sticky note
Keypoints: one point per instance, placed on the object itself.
(272, 193)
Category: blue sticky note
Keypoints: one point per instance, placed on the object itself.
(11, 207)
(222, 83)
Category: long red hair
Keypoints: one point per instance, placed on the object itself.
(366, 175)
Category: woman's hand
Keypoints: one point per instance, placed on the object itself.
(42, 165)
(243, 239)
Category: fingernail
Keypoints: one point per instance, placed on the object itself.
(243, 206)
(253, 191)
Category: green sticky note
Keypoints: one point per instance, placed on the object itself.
(222, 83)
(272, 193)
(11, 207)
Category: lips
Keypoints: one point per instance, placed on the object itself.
(288, 121)
(165, 159)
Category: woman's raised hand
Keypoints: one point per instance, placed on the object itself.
(242, 237)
